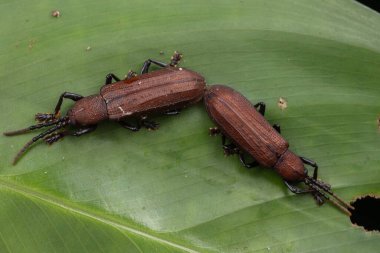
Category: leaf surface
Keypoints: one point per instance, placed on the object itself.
(172, 190)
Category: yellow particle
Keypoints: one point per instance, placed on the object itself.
(282, 103)
(55, 14)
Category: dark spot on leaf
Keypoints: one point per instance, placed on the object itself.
(366, 213)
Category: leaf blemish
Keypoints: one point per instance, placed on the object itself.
(282, 103)
(55, 13)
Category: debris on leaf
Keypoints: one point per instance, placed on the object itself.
(31, 43)
(282, 103)
(55, 14)
(88, 48)
(162, 52)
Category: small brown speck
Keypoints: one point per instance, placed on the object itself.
(282, 103)
(31, 43)
(162, 52)
(55, 14)
(378, 122)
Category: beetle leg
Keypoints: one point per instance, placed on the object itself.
(83, 130)
(50, 139)
(42, 117)
(129, 126)
(296, 189)
(247, 165)
(147, 63)
(213, 131)
(130, 74)
(260, 107)
(174, 60)
(69, 95)
(150, 125)
(173, 112)
(312, 164)
(277, 128)
(109, 78)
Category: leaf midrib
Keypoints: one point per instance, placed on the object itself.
(31, 193)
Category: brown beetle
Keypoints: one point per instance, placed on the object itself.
(166, 90)
(244, 124)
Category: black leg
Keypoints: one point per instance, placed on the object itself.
(277, 128)
(109, 78)
(229, 149)
(150, 125)
(42, 117)
(247, 165)
(260, 107)
(50, 139)
(312, 164)
(129, 126)
(214, 131)
(84, 130)
(130, 74)
(174, 60)
(172, 112)
(147, 63)
(297, 190)
(69, 95)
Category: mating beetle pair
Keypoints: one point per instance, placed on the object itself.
(167, 91)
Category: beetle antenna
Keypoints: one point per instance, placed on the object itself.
(322, 188)
(59, 124)
(30, 128)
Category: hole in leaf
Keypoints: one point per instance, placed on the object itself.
(366, 213)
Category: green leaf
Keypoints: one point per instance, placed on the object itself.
(172, 190)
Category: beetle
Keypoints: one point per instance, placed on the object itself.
(250, 133)
(166, 90)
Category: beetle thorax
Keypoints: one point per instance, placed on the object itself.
(88, 111)
(290, 167)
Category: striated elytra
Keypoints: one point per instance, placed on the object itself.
(166, 90)
(249, 132)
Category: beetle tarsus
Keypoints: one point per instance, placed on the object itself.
(130, 74)
(84, 130)
(175, 59)
(172, 112)
(245, 164)
(148, 124)
(214, 131)
(147, 64)
(230, 149)
(296, 189)
(69, 95)
(129, 126)
(44, 117)
(312, 164)
(260, 106)
(277, 128)
(109, 78)
(50, 139)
